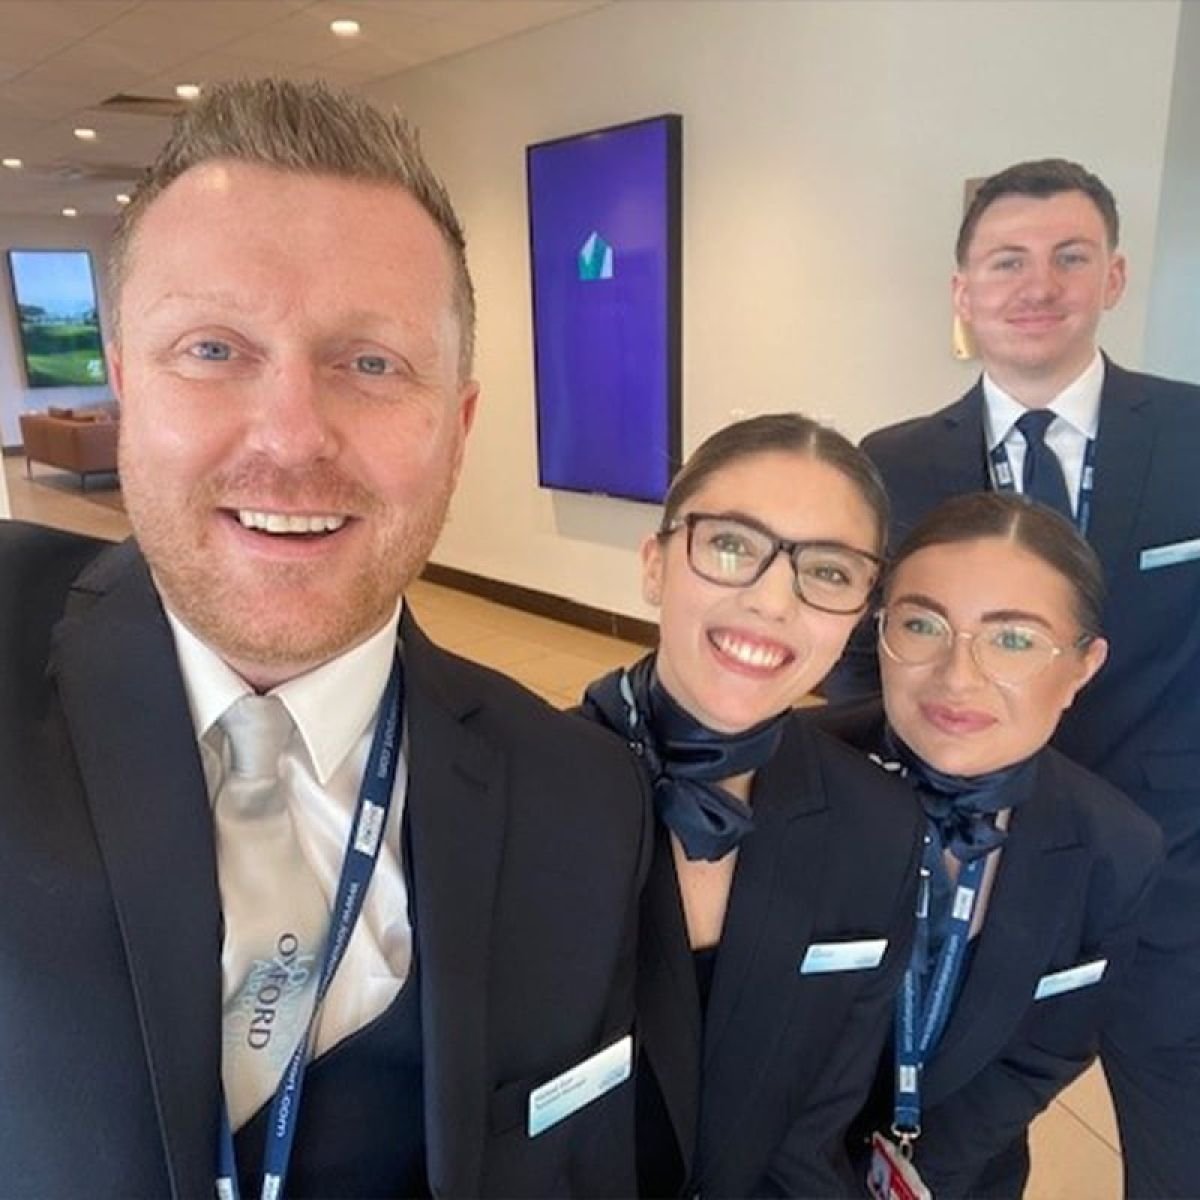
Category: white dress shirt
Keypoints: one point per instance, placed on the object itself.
(334, 709)
(1077, 417)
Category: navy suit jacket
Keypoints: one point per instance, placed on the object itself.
(1074, 875)
(760, 1090)
(529, 833)
(1137, 723)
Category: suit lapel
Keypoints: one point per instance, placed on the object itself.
(456, 811)
(1124, 448)
(668, 1004)
(775, 898)
(1042, 861)
(960, 462)
(126, 711)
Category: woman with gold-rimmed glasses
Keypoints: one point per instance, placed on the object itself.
(1035, 869)
(778, 914)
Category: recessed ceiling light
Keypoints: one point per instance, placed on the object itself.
(13, 164)
(123, 197)
(345, 29)
(85, 135)
(187, 91)
(70, 212)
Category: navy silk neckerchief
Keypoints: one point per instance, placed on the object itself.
(963, 808)
(685, 760)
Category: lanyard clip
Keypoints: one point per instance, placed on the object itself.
(906, 1139)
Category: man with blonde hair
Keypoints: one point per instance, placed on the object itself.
(291, 901)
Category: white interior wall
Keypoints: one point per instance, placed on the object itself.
(1173, 328)
(43, 233)
(825, 148)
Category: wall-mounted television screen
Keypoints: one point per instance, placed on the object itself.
(604, 225)
(58, 318)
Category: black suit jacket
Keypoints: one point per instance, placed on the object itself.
(1074, 875)
(761, 1091)
(529, 835)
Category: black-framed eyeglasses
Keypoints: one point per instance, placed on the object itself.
(1009, 653)
(736, 552)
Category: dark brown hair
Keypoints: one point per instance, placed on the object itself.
(311, 129)
(787, 433)
(1041, 178)
(1034, 527)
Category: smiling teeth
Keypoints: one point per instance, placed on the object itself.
(270, 522)
(750, 653)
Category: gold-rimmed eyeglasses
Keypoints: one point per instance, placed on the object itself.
(1008, 652)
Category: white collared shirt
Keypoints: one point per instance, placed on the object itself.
(1077, 417)
(334, 709)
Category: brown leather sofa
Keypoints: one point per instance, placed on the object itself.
(82, 440)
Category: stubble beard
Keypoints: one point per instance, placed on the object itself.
(262, 627)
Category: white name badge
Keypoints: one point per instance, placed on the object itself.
(1081, 976)
(823, 957)
(580, 1085)
(1170, 555)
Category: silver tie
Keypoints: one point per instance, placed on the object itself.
(276, 917)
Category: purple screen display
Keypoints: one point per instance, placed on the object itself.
(602, 233)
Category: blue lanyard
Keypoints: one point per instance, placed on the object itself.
(362, 851)
(1002, 474)
(920, 1022)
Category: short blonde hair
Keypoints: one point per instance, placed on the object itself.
(308, 128)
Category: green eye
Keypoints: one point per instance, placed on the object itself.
(1014, 640)
(829, 574)
(730, 545)
(924, 627)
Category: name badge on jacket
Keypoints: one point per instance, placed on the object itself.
(1069, 980)
(580, 1085)
(1170, 555)
(821, 958)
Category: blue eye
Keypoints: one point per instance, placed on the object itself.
(212, 351)
(372, 364)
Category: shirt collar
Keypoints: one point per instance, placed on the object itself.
(1078, 404)
(332, 705)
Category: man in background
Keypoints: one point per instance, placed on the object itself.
(1037, 265)
(291, 901)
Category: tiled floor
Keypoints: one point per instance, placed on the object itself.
(1075, 1152)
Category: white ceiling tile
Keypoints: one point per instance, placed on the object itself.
(218, 66)
(60, 58)
(93, 69)
(298, 40)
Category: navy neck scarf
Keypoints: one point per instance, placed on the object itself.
(685, 760)
(963, 808)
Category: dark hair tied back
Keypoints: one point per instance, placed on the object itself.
(787, 433)
(1034, 527)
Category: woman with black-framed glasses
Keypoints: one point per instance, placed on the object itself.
(778, 914)
(1035, 870)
